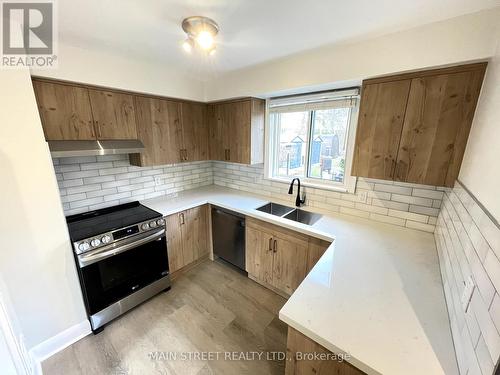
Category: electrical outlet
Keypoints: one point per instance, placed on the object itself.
(158, 180)
(362, 196)
(467, 293)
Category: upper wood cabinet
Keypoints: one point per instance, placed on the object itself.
(379, 128)
(438, 118)
(194, 131)
(65, 111)
(414, 127)
(159, 128)
(114, 114)
(172, 131)
(237, 131)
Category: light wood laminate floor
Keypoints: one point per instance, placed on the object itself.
(211, 308)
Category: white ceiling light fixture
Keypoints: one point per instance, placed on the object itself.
(201, 32)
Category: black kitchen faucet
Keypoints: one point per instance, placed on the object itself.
(298, 201)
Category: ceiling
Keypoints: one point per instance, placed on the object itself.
(252, 31)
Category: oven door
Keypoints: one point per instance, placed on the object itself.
(122, 268)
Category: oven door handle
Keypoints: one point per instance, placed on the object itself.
(87, 259)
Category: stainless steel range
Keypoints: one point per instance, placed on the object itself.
(121, 255)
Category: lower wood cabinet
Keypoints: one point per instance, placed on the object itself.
(279, 257)
(299, 343)
(316, 249)
(187, 237)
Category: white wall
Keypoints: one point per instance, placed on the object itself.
(36, 261)
(127, 73)
(459, 39)
(480, 170)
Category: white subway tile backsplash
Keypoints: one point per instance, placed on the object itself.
(425, 193)
(488, 329)
(353, 212)
(424, 210)
(390, 204)
(382, 196)
(492, 266)
(101, 192)
(83, 188)
(97, 180)
(73, 197)
(412, 200)
(114, 170)
(388, 219)
(88, 183)
(420, 226)
(70, 183)
(495, 311)
(67, 168)
(85, 202)
(409, 216)
(484, 358)
(463, 251)
(78, 160)
(393, 189)
(97, 165)
(80, 174)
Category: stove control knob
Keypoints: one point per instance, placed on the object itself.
(152, 224)
(84, 246)
(105, 239)
(145, 226)
(95, 242)
(160, 221)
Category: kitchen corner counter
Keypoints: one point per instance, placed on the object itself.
(376, 294)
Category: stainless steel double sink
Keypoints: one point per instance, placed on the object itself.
(290, 213)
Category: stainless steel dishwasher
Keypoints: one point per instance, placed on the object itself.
(228, 236)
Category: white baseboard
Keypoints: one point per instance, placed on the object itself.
(57, 343)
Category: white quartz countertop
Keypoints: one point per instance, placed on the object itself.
(376, 294)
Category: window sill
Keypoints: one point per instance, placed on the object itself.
(312, 184)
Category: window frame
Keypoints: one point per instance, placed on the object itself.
(349, 184)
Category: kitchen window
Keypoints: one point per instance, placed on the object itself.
(312, 137)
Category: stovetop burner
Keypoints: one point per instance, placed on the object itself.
(93, 223)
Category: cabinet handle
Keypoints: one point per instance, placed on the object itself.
(393, 169)
(270, 244)
(181, 218)
(181, 155)
(225, 154)
(185, 154)
(275, 246)
(228, 154)
(98, 129)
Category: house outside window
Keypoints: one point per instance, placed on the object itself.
(312, 137)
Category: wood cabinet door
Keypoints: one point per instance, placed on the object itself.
(237, 117)
(298, 343)
(65, 111)
(114, 114)
(174, 242)
(194, 233)
(290, 262)
(159, 129)
(219, 136)
(194, 131)
(379, 129)
(437, 123)
(259, 254)
(316, 250)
